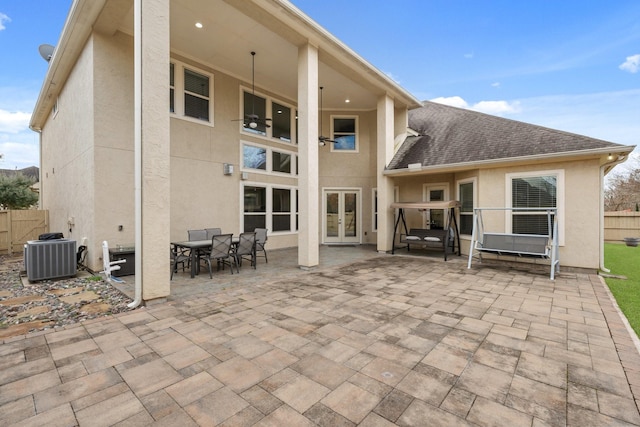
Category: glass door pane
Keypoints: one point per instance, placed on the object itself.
(350, 214)
(332, 214)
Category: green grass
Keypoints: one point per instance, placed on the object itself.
(625, 261)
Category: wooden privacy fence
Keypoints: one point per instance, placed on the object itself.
(618, 225)
(19, 226)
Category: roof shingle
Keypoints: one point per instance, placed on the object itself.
(451, 135)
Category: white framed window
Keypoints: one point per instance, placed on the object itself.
(274, 118)
(270, 206)
(190, 93)
(344, 130)
(467, 196)
(269, 160)
(535, 189)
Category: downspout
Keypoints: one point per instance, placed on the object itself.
(601, 220)
(137, 146)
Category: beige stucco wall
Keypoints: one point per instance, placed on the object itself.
(67, 161)
(96, 107)
(579, 225)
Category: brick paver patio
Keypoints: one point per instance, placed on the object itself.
(380, 341)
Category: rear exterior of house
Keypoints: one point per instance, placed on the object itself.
(186, 94)
(485, 161)
(151, 125)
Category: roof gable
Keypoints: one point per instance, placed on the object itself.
(450, 135)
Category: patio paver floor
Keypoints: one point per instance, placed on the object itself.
(380, 340)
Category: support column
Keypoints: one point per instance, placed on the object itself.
(385, 134)
(153, 181)
(308, 190)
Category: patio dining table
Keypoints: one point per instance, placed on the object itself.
(194, 247)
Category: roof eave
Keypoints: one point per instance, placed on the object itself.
(75, 32)
(621, 150)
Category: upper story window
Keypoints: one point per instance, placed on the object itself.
(345, 133)
(266, 117)
(190, 93)
(267, 159)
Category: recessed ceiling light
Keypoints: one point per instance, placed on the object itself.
(347, 100)
(198, 24)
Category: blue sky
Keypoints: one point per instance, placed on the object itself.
(566, 64)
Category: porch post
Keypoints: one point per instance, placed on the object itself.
(385, 133)
(152, 198)
(308, 191)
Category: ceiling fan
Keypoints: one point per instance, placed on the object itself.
(253, 120)
(322, 140)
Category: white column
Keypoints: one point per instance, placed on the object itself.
(385, 135)
(152, 259)
(308, 190)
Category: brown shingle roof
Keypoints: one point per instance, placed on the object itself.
(451, 135)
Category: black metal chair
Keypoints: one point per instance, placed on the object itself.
(261, 241)
(221, 253)
(178, 257)
(246, 248)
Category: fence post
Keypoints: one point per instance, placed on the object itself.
(10, 233)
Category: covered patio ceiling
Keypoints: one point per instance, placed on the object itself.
(231, 29)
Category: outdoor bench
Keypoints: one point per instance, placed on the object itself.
(427, 238)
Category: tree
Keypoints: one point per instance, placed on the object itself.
(15, 192)
(623, 192)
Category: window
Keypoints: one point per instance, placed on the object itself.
(281, 123)
(190, 93)
(534, 190)
(255, 208)
(196, 95)
(255, 105)
(272, 207)
(172, 89)
(254, 157)
(344, 133)
(281, 162)
(466, 196)
(280, 118)
(281, 208)
(267, 159)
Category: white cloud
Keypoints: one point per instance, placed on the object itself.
(14, 122)
(468, 55)
(497, 108)
(632, 64)
(3, 18)
(454, 101)
(495, 84)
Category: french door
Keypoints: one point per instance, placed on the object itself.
(341, 219)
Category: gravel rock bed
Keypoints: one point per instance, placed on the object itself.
(54, 303)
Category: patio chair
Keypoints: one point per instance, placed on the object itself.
(261, 240)
(199, 235)
(221, 253)
(246, 248)
(178, 257)
(213, 232)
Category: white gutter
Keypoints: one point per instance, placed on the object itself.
(607, 166)
(137, 143)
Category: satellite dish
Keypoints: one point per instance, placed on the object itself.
(46, 51)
